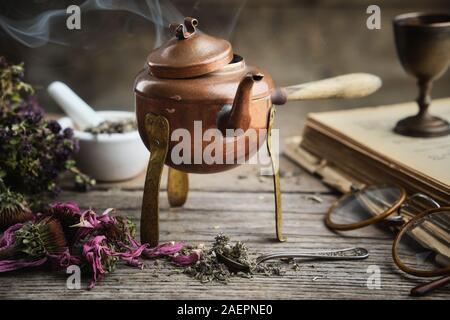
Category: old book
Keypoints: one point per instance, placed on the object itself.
(358, 146)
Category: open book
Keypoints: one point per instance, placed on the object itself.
(360, 145)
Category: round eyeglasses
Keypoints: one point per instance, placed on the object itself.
(422, 244)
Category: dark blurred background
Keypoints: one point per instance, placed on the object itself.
(294, 40)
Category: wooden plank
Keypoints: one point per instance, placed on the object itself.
(243, 178)
(244, 216)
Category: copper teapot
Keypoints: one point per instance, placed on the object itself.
(196, 78)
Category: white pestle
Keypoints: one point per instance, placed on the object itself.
(78, 110)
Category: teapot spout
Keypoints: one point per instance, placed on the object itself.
(238, 117)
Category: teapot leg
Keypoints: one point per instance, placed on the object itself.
(157, 131)
(276, 178)
(177, 187)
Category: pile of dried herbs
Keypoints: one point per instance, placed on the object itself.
(224, 260)
(117, 126)
(33, 151)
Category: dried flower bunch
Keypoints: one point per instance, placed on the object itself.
(33, 151)
(64, 235)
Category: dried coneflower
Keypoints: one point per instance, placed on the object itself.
(99, 257)
(31, 244)
(63, 235)
(13, 208)
(120, 230)
(68, 214)
(40, 239)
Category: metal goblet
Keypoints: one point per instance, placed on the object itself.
(423, 47)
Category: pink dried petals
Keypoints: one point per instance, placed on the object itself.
(62, 260)
(88, 219)
(102, 240)
(133, 262)
(11, 265)
(136, 249)
(96, 249)
(93, 251)
(131, 255)
(187, 259)
(165, 249)
(56, 261)
(7, 238)
(66, 207)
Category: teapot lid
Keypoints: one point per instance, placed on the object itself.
(189, 54)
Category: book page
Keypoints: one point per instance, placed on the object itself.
(372, 128)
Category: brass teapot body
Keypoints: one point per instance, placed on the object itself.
(234, 97)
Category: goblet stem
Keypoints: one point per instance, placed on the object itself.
(424, 99)
(423, 124)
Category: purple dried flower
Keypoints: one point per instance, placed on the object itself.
(100, 258)
(68, 133)
(25, 146)
(68, 214)
(30, 109)
(89, 223)
(90, 220)
(7, 238)
(93, 250)
(187, 259)
(54, 126)
(33, 150)
(165, 249)
(121, 231)
(11, 265)
(62, 260)
(69, 207)
(98, 241)
(130, 255)
(34, 244)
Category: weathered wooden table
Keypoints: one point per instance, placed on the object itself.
(238, 203)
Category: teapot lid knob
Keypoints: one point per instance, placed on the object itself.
(184, 30)
(190, 53)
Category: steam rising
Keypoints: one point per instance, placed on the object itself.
(39, 30)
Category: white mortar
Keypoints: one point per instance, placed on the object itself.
(110, 157)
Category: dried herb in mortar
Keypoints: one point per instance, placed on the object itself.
(118, 126)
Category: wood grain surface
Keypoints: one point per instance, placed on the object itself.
(238, 203)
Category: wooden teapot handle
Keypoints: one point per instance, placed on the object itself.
(354, 85)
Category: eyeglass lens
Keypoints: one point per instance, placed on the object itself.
(425, 244)
(416, 204)
(365, 204)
